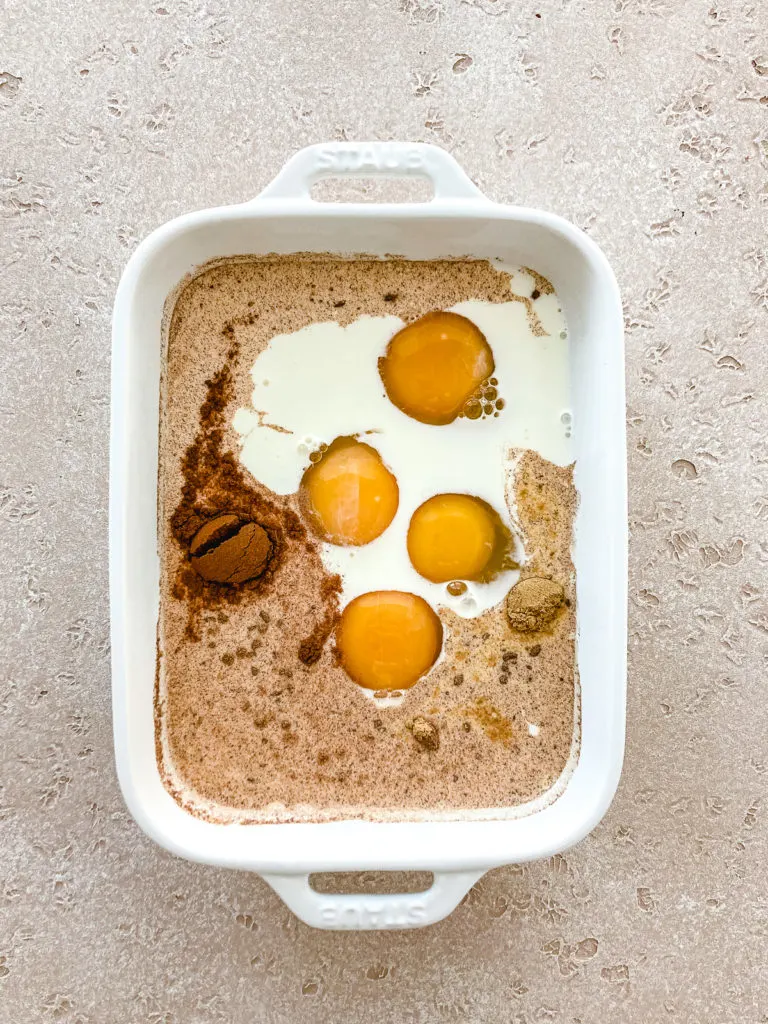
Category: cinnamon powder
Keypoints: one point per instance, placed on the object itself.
(214, 484)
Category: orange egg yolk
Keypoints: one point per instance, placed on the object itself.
(349, 495)
(434, 365)
(456, 537)
(388, 639)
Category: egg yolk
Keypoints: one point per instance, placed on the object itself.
(349, 495)
(456, 537)
(388, 639)
(434, 365)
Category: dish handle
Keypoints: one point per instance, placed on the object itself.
(362, 912)
(371, 159)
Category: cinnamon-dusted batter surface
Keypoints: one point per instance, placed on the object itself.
(255, 719)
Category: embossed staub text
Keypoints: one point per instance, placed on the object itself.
(364, 159)
(390, 913)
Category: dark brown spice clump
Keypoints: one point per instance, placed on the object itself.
(311, 647)
(230, 550)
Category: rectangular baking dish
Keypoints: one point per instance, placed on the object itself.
(458, 221)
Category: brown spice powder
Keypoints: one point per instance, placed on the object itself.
(214, 484)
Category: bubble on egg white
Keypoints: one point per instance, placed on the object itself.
(310, 445)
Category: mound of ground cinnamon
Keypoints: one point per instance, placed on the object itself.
(229, 549)
(533, 603)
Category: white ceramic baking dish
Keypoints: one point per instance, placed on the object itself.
(459, 221)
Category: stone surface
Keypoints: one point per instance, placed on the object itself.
(645, 122)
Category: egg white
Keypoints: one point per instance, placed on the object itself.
(322, 382)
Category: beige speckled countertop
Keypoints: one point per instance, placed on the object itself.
(645, 122)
